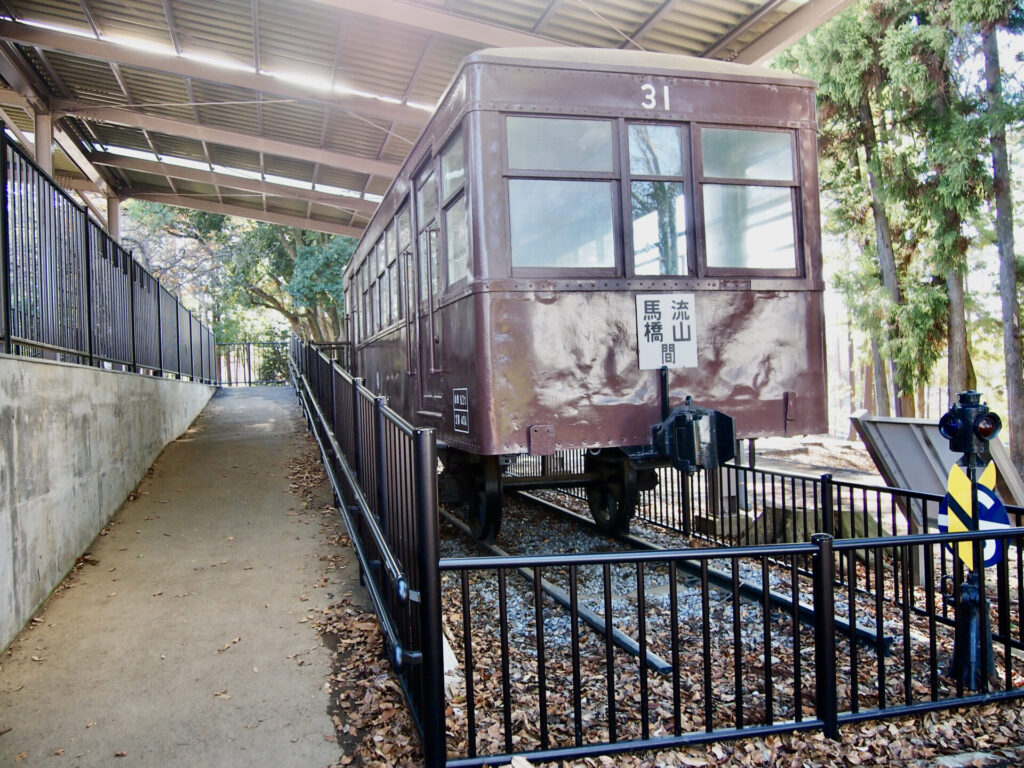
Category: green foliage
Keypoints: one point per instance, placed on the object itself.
(900, 117)
(243, 265)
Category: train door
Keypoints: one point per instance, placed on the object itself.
(428, 328)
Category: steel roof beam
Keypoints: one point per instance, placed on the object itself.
(102, 50)
(440, 22)
(241, 211)
(117, 116)
(796, 25)
(216, 179)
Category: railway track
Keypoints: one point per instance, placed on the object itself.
(578, 533)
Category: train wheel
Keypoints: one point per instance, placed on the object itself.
(483, 511)
(613, 500)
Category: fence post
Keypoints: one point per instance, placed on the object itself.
(357, 457)
(5, 249)
(248, 363)
(131, 305)
(382, 457)
(432, 669)
(828, 513)
(826, 702)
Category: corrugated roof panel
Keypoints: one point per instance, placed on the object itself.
(315, 24)
(397, 148)
(119, 136)
(139, 180)
(379, 58)
(338, 177)
(177, 146)
(327, 212)
(158, 94)
(224, 107)
(221, 28)
(522, 14)
(89, 79)
(292, 122)
(64, 13)
(602, 23)
(349, 133)
(290, 206)
(288, 167)
(378, 186)
(140, 20)
(437, 69)
(234, 157)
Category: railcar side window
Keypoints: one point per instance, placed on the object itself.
(749, 225)
(565, 219)
(453, 168)
(456, 220)
(426, 216)
(657, 199)
(404, 229)
(457, 237)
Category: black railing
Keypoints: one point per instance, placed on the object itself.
(70, 292)
(252, 363)
(754, 638)
(384, 475)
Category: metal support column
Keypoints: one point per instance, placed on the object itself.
(6, 316)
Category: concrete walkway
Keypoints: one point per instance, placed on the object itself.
(185, 639)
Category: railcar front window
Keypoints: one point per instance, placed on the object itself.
(658, 203)
(559, 144)
(731, 153)
(561, 224)
(659, 228)
(655, 150)
(749, 197)
(749, 227)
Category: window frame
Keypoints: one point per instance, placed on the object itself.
(687, 153)
(445, 203)
(795, 185)
(614, 177)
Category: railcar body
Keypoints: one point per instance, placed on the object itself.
(570, 223)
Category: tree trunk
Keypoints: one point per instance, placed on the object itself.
(957, 332)
(881, 389)
(1007, 259)
(869, 378)
(883, 232)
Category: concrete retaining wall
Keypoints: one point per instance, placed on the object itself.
(74, 441)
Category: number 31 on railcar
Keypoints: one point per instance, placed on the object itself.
(615, 251)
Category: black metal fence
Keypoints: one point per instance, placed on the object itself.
(252, 363)
(383, 472)
(740, 638)
(70, 292)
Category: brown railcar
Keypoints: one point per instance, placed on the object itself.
(572, 223)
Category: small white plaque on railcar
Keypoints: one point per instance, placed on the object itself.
(666, 330)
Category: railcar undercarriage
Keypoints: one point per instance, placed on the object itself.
(688, 438)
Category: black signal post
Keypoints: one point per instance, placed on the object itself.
(969, 425)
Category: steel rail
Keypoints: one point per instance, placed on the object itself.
(724, 580)
(621, 639)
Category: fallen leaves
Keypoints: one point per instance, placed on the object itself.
(222, 694)
(228, 645)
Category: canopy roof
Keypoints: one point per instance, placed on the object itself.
(300, 112)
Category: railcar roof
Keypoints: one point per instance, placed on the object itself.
(641, 62)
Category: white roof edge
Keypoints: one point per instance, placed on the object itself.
(626, 60)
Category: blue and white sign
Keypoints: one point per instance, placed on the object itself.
(955, 515)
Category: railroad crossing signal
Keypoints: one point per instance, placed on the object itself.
(955, 513)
